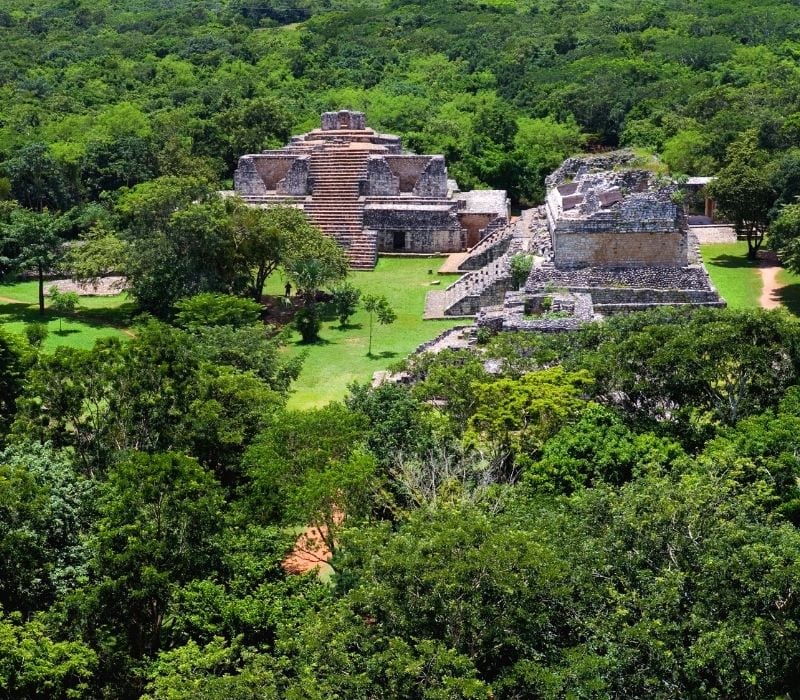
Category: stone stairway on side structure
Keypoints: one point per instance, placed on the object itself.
(483, 287)
(492, 246)
(335, 206)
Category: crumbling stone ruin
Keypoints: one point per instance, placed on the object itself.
(359, 187)
(611, 238)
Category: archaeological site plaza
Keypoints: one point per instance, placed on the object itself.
(359, 187)
(612, 236)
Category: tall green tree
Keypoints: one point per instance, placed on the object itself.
(157, 517)
(313, 261)
(13, 367)
(263, 238)
(32, 241)
(379, 309)
(123, 162)
(45, 506)
(745, 190)
(38, 180)
(192, 252)
(38, 664)
(784, 236)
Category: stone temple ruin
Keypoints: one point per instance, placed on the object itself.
(610, 239)
(359, 187)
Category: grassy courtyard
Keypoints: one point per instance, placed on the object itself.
(95, 317)
(339, 358)
(736, 278)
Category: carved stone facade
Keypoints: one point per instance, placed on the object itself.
(611, 237)
(359, 187)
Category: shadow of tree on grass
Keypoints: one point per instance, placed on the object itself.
(385, 355)
(116, 317)
(732, 261)
(789, 296)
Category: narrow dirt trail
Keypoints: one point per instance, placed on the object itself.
(769, 268)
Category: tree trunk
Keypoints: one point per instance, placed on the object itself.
(41, 290)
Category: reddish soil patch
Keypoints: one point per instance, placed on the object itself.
(310, 552)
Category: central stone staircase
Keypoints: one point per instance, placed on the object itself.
(335, 206)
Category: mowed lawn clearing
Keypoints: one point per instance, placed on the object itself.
(340, 356)
(95, 318)
(337, 360)
(736, 277)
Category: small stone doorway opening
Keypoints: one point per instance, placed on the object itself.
(399, 240)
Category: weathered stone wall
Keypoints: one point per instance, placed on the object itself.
(490, 295)
(432, 182)
(489, 249)
(343, 119)
(714, 234)
(572, 167)
(296, 181)
(246, 180)
(410, 218)
(619, 249)
(692, 277)
(407, 169)
(611, 295)
(427, 241)
(426, 229)
(474, 224)
(380, 180)
(272, 167)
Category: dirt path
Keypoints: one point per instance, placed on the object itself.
(769, 268)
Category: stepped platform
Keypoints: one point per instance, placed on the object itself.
(358, 187)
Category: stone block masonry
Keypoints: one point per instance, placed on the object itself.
(607, 241)
(578, 248)
(359, 188)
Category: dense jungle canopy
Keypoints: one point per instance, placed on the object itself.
(610, 513)
(121, 92)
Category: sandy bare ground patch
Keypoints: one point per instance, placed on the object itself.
(104, 287)
(769, 268)
(310, 552)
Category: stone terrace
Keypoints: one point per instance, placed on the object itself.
(358, 187)
(612, 240)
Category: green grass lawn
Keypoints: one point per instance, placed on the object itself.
(340, 357)
(736, 278)
(95, 318)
